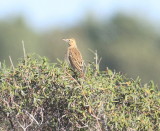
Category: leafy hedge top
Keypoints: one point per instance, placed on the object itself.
(40, 95)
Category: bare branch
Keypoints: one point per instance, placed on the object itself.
(31, 117)
(24, 51)
(11, 62)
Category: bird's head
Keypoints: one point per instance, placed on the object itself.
(71, 42)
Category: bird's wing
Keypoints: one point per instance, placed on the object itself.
(75, 59)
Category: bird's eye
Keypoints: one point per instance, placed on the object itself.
(69, 40)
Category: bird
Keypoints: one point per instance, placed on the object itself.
(74, 56)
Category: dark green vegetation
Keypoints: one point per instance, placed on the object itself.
(38, 95)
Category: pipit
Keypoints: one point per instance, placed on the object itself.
(74, 56)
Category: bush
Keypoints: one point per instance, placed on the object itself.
(38, 95)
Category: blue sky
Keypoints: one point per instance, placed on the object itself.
(43, 14)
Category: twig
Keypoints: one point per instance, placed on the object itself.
(24, 51)
(41, 116)
(13, 69)
(113, 74)
(31, 117)
(23, 126)
(96, 58)
(11, 62)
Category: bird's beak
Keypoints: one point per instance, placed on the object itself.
(66, 40)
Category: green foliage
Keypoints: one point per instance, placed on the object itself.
(38, 95)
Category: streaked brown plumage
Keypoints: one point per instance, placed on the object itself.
(74, 56)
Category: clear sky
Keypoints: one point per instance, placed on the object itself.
(42, 14)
